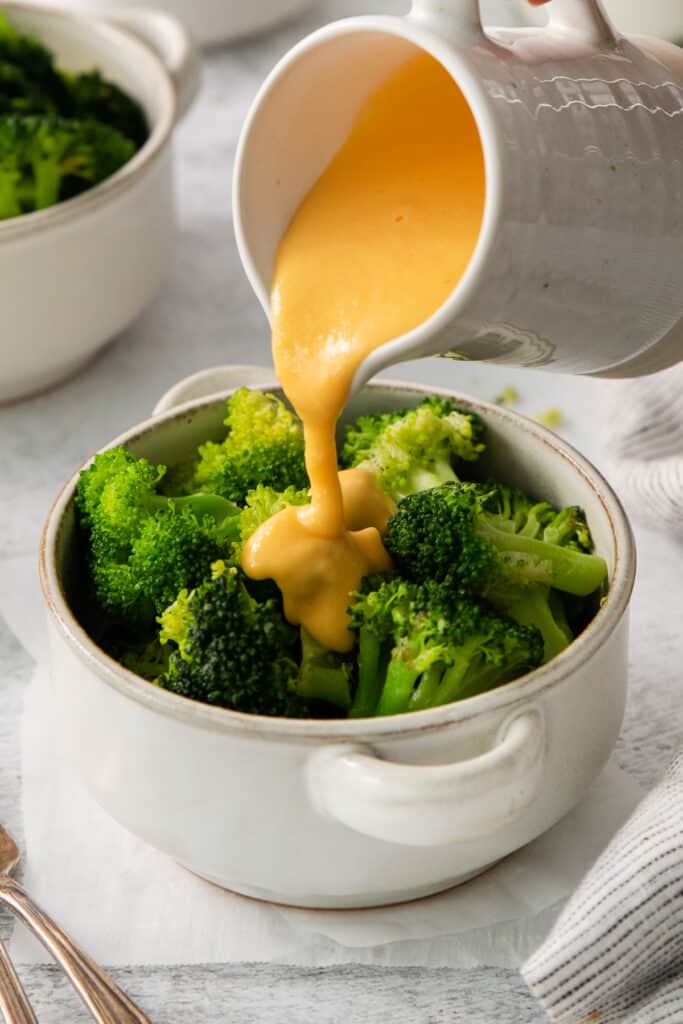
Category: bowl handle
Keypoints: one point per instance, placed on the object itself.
(213, 381)
(430, 805)
(168, 38)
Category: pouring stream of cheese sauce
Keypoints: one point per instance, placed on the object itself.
(377, 245)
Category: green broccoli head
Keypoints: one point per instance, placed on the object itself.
(116, 494)
(93, 98)
(415, 449)
(264, 445)
(568, 528)
(422, 645)
(60, 134)
(143, 547)
(147, 659)
(29, 81)
(173, 550)
(539, 520)
(45, 159)
(456, 533)
(230, 650)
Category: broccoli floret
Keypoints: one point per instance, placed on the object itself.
(425, 646)
(264, 445)
(539, 520)
(415, 449)
(231, 650)
(459, 533)
(173, 550)
(29, 81)
(148, 660)
(19, 94)
(91, 97)
(569, 529)
(45, 159)
(145, 548)
(536, 605)
(59, 134)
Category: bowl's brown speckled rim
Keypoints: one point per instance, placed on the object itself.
(216, 719)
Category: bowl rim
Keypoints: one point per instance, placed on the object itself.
(159, 134)
(224, 720)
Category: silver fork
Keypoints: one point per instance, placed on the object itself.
(105, 1000)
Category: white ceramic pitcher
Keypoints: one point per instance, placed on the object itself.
(579, 263)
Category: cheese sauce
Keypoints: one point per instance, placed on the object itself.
(375, 248)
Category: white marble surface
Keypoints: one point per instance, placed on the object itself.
(206, 314)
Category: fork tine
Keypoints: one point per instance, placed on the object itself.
(14, 1002)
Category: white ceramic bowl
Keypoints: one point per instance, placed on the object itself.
(74, 275)
(347, 813)
(212, 21)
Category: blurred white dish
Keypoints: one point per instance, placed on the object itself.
(75, 275)
(210, 21)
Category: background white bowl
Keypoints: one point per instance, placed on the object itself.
(74, 275)
(210, 21)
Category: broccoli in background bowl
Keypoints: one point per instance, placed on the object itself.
(489, 582)
(60, 133)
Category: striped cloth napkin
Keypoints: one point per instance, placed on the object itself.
(643, 443)
(616, 952)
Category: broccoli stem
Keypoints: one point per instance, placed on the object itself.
(327, 684)
(559, 613)
(466, 676)
(204, 506)
(441, 472)
(9, 197)
(564, 568)
(451, 683)
(482, 677)
(532, 608)
(427, 688)
(47, 177)
(370, 675)
(398, 686)
(211, 505)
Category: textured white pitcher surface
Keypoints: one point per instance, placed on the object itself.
(579, 262)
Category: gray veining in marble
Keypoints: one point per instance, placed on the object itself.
(205, 315)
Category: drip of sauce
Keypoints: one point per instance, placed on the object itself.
(377, 245)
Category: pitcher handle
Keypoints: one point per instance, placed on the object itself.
(586, 18)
